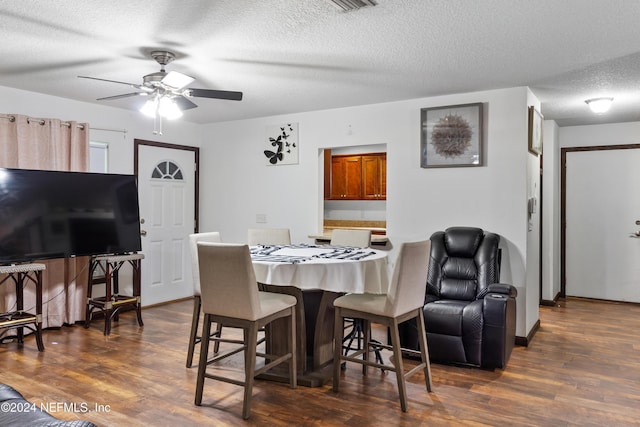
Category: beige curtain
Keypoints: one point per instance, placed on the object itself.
(50, 144)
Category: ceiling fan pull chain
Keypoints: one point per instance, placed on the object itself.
(159, 124)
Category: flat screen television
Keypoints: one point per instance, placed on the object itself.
(52, 214)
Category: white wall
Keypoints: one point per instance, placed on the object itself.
(529, 297)
(120, 151)
(609, 134)
(599, 135)
(556, 138)
(237, 183)
(551, 212)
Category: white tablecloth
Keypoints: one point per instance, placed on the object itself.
(309, 267)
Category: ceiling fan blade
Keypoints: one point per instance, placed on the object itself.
(217, 94)
(125, 95)
(114, 81)
(176, 80)
(184, 103)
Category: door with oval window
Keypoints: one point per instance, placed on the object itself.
(167, 192)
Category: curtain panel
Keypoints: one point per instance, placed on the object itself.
(48, 144)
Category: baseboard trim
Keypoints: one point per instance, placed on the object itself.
(550, 303)
(524, 341)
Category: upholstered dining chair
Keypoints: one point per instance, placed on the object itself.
(402, 302)
(350, 237)
(194, 338)
(230, 297)
(268, 236)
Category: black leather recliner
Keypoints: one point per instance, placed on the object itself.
(470, 317)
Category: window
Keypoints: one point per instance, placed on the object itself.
(98, 157)
(167, 170)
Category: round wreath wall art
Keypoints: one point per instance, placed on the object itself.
(451, 136)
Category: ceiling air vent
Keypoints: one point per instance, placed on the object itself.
(349, 5)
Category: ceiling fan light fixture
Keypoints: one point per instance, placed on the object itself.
(150, 107)
(349, 5)
(168, 108)
(599, 105)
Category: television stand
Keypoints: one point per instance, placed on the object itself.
(21, 274)
(111, 304)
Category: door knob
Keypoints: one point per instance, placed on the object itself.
(143, 232)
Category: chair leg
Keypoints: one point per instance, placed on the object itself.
(397, 361)
(251, 341)
(293, 369)
(366, 332)
(218, 333)
(338, 335)
(354, 334)
(424, 350)
(193, 336)
(202, 363)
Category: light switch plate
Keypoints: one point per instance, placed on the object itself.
(261, 218)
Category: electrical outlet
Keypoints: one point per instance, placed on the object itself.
(261, 218)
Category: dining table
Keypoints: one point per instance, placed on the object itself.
(316, 275)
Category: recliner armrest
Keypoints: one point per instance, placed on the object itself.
(499, 288)
(503, 288)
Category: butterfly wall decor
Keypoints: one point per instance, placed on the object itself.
(283, 144)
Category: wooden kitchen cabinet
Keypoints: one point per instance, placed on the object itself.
(374, 176)
(346, 177)
(358, 177)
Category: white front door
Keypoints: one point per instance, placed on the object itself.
(166, 187)
(602, 207)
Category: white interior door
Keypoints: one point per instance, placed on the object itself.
(602, 207)
(166, 187)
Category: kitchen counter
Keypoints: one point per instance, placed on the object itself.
(378, 230)
(376, 239)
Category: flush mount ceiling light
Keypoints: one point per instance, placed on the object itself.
(599, 105)
(349, 5)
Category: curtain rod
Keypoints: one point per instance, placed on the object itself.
(38, 121)
(110, 130)
(42, 122)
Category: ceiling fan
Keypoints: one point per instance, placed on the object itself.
(167, 93)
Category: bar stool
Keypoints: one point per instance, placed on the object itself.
(111, 304)
(19, 319)
(402, 302)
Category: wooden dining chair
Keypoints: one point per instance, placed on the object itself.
(403, 301)
(268, 236)
(230, 297)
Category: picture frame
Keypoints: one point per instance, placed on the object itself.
(282, 144)
(535, 131)
(451, 136)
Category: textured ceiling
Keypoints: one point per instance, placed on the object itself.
(293, 55)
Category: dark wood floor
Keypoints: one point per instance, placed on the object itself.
(581, 369)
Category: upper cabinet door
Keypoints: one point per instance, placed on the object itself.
(357, 177)
(346, 174)
(374, 176)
